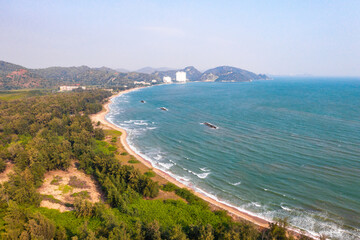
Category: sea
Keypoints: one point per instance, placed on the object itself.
(287, 148)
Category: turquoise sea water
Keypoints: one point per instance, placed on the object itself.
(289, 147)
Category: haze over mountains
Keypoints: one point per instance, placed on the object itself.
(14, 76)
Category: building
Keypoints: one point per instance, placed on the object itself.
(181, 76)
(167, 79)
(154, 81)
(141, 83)
(70, 88)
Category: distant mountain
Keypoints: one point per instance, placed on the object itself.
(191, 73)
(230, 74)
(150, 70)
(123, 70)
(14, 76)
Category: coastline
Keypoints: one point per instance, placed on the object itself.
(100, 117)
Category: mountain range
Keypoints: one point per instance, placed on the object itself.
(14, 76)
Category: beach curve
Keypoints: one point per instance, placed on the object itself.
(100, 117)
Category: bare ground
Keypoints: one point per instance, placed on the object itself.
(57, 184)
(4, 175)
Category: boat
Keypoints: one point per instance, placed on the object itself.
(210, 125)
(142, 101)
(164, 109)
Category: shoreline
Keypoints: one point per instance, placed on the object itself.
(100, 117)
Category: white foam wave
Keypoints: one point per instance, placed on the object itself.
(165, 165)
(236, 184)
(285, 208)
(203, 175)
(158, 157)
(199, 175)
(204, 169)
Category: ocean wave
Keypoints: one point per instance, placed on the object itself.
(205, 169)
(158, 157)
(256, 204)
(285, 208)
(172, 162)
(199, 175)
(165, 165)
(203, 175)
(235, 184)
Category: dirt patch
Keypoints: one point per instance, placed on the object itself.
(4, 175)
(60, 188)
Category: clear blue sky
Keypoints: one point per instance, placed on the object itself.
(276, 37)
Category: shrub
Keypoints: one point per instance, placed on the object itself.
(133, 161)
(77, 183)
(169, 187)
(82, 195)
(83, 208)
(112, 148)
(65, 189)
(150, 174)
(51, 198)
(56, 180)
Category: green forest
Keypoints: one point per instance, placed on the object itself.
(41, 132)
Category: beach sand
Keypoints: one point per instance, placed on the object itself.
(236, 214)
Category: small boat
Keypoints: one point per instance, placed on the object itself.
(142, 101)
(210, 125)
(164, 109)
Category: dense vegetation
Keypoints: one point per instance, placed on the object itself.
(43, 133)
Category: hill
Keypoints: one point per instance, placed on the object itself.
(14, 76)
(230, 74)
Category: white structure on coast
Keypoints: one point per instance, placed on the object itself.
(141, 83)
(70, 88)
(181, 76)
(167, 79)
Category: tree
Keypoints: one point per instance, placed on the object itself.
(152, 231)
(21, 189)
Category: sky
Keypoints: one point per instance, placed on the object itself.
(272, 37)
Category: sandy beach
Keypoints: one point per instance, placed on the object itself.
(100, 117)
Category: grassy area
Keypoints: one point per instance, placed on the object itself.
(56, 180)
(82, 194)
(50, 198)
(18, 94)
(113, 133)
(133, 161)
(65, 189)
(150, 174)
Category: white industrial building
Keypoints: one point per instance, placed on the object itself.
(181, 76)
(141, 83)
(167, 79)
(70, 88)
